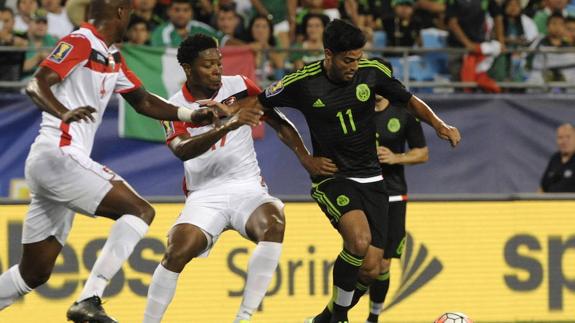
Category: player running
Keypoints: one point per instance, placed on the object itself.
(337, 98)
(73, 87)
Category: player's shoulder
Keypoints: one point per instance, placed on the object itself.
(306, 73)
(367, 65)
(178, 98)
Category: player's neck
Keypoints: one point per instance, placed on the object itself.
(106, 31)
(200, 92)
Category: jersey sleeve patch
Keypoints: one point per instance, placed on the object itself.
(60, 52)
(274, 88)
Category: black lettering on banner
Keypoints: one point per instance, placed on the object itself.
(142, 265)
(89, 257)
(557, 277)
(237, 270)
(14, 243)
(326, 274)
(311, 264)
(516, 260)
(292, 268)
(66, 263)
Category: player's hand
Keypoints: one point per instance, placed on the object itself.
(205, 116)
(386, 156)
(319, 166)
(247, 116)
(78, 114)
(223, 110)
(449, 133)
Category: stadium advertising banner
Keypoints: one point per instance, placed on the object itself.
(495, 261)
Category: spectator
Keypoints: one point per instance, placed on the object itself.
(553, 67)
(11, 67)
(402, 29)
(559, 175)
(260, 37)
(230, 24)
(59, 25)
(203, 10)
(314, 26)
(282, 14)
(551, 6)
(138, 32)
(40, 42)
(26, 9)
(180, 26)
(467, 24)
(520, 31)
(430, 13)
(570, 30)
(145, 10)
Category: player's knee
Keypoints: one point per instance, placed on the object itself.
(176, 260)
(146, 212)
(36, 277)
(360, 244)
(385, 264)
(274, 228)
(368, 274)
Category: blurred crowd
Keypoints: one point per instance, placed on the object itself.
(491, 32)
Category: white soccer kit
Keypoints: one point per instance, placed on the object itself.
(223, 185)
(60, 173)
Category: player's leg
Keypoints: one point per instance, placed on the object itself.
(45, 230)
(378, 291)
(266, 227)
(133, 216)
(185, 241)
(35, 267)
(368, 273)
(393, 249)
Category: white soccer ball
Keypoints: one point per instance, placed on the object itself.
(453, 317)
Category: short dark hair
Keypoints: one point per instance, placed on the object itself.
(323, 18)
(555, 15)
(7, 9)
(135, 20)
(191, 47)
(341, 36)
(250, 37)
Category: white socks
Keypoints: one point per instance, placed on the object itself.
(261, 268)
(12, 286)
(160, 294)
(124, 235)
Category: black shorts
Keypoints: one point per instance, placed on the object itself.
(337, 196)
(395, 230)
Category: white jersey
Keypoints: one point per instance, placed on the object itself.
(90, 72)
(233, 157)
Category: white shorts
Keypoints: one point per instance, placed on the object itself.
(61, 184)
(223, 207)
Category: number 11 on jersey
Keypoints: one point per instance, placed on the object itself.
(341, 117)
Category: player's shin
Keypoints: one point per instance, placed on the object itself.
(261, 268)
(124, 235)
(12, 286)
(345, 275)
(377, 292)
(160, 294)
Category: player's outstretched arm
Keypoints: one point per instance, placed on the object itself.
(186, 147)
(153, 106)
(412, 157)
(422, 111)
(38, 89)
(289, 135)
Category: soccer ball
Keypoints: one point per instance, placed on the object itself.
(453, 317)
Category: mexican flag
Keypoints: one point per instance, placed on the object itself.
(160, 72)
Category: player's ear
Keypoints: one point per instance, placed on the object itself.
(187, 69)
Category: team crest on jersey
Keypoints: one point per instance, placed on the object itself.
(342, 200)
(274, 88)
(393, 125)
(362, 92)
(230, 100)
(60, 52)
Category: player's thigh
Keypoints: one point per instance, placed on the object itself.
(185, 242)
(255, 214)
(38, 260)
(76, 181)
(266, 223)
(122, 199)
(396, 230)
(376, 207)
(46, 218)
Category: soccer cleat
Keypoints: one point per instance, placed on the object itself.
(89, 310)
